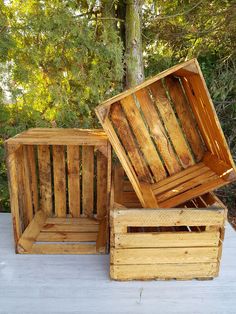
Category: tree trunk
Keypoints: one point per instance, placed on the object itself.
(133, 49)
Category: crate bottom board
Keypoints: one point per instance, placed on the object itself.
(201, 271)
(54, 235)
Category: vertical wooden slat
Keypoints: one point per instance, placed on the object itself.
(45, 178)
(73, 164)
(143, 138)
(118, 183)
(203, 124)
(171, 124)
(120, 122)
(33, 176)
(87, 180)
(13, 188)
(27, 187)
(21, 192)
(59, 180)
(157, 131)
(102, 196)
(185, 116)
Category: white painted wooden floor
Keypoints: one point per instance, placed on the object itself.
(80, 284)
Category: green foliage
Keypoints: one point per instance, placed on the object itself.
(60, 58)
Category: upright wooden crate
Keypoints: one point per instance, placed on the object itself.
(59, 183)
(167, 137)
(178, 243)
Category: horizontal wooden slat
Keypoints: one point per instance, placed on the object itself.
(55, 136)
(63, 249)
(198, 180)
(194, 192)
(71, 221)
(67, 237)
(167, 217)
(70, 228)
(187, 179)
(164, 255)
(166, 239)
(164, 271)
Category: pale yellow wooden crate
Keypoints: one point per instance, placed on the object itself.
(177, 243)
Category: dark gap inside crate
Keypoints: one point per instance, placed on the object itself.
(166, 229)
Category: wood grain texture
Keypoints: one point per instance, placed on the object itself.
(59, 177)
(164, 255)
(102, 191)
(45, 185)
(158, 132)
(166, 239)
(33, 176)
(30, 234)
(143, 138)
(171, 124)
(11, 162)
(73, 166)
(121, 124)
(185, 116)
(164, 271)
(88, 180)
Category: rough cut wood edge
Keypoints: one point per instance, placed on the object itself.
(164, 271)
(130, 91)
(31, 232)
(13, 189)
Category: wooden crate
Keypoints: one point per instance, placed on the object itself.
(167, 137)
(59, 183)
(178, 243)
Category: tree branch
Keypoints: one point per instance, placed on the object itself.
(179, 14)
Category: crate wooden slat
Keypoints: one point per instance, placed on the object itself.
(177, 243)
(167, 137)
(60, 184)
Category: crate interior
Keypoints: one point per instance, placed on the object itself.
(69, 184)
(167, 135)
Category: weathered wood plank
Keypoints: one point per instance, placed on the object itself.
(27, 186)
(67, 237)
(11, 162)
(69, 221)
(73, 165)
(166, 239)
(59, 180)
(63, 249)
(69, 228)
(164, 271)
(164, 255)
(102, 192)
(44, 165)
(158, 132)
(120, 122)
(31, 232)
(88, 180)
(208, 186)
(185, 116)
(33, 176)
(170, 217)
(171, 124)
(143, 138)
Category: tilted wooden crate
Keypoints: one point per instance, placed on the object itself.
(167, 137)
(177, 243)
(59, 183)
